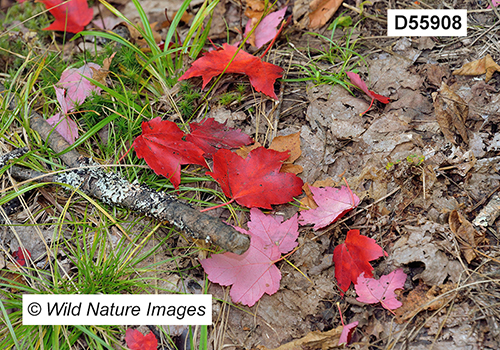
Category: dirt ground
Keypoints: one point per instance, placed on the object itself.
(420, 190)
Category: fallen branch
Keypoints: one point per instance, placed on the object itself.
(110, 188)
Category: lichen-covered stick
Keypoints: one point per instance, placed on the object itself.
(113, 189)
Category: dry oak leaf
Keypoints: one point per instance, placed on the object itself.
(451, 113)
(162, 146)
(255, 181)
(322, 11)
(288, 143)
(262, 74)
(313, 340)
(71, 16)
(333, 203)
(210, 135)
(372, 291)
(465, 233)
(478, 67)
(245, 150)
(137, 341)
(353, 257)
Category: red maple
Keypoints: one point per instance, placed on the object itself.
(373, 291)
(71, 16)
(255, 181)
(137, 341)
(356, 80)
(163, 148)
(210, 135)
(20, 257)
(353, 257)
(262, 74)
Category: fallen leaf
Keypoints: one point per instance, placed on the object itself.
(77, 87)
(262, 74)
(100, 74)
(245, 150)
(345, 337)
(162, 146)
(288, 143)
(372, 291)
(210, 135)
(312, 340)
(255, 181)
(478, 67)
(63, 123)
(333, 203)
(356, 80)
(71, 16)
(353, 257)
(21, 257)
(451, 113)
(274, 231)
(137, 341)
(322, 11)
(307, 203)
(465, 233)
(267, 28)
(495, 3)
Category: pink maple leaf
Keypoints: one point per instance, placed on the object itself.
(373, 291)
(267, 28)
(253, 273)
(333, 203)
(78, 88)
(273, 231)
(356, 80)
(495, 3)
(63, 123)
(345, 336)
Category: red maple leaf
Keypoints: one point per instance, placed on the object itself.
(373, 291)
(137, 341)
(356, 80)
(353, 257)
(262, 74)
(333, 203)
(211, 135)
(20, 257)
(347, 330)
(162, 147)
(72, 16)
(253, 273)
(255, 181)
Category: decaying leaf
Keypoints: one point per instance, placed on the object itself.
(465, 233)
(478, 67)
(288, 143)
(322, 11)
(137, 38)
(101, 73)
(313, 340)
(451, 113)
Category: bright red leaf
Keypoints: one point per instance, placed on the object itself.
(137, 341)
(253, 273)
(255, 181)
(333, 203)
(353, 257)
(20, 257)
(381, 291)
(211, 135)
(72, 16)
(356, 80)
(163, 148)
(262, 74)
(345, 336)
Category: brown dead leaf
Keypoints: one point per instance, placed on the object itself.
(465, 233)
(325, 183)
(289, 143)
(185, 18)
(137, 38)
(313, 340)
(244, 150)
(101, 74)
(422, 298)
(451, 113)
(254, 11)
(308, 201)
(478, 67)
(435, 73)
(322, 11)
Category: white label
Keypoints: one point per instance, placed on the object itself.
(110, 309)
(427, 22)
